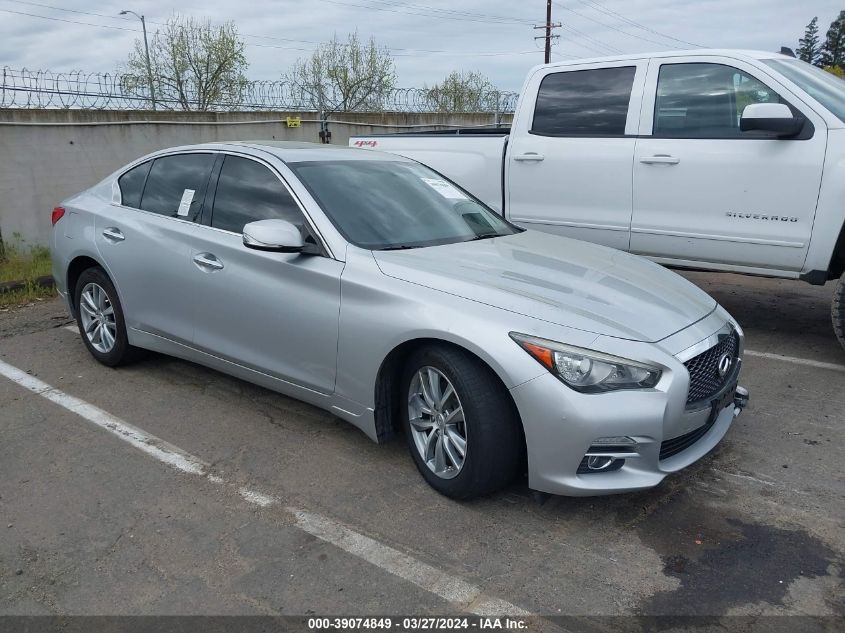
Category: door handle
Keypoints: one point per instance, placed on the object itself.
(660, 159)
(529, 156)
(113, 234)
(207, 262)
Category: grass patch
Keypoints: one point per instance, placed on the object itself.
(20, 261)
(25, 295)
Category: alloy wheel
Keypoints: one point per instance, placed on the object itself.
(437, 422)
(97, 314)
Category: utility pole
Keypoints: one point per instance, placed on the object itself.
(548, 28)
(147, 52)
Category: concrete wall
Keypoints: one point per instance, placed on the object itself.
(48, 155)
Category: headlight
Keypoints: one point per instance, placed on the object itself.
(585, 370)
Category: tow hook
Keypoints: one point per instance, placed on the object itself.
(740, 400)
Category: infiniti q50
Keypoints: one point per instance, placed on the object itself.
(371, 286)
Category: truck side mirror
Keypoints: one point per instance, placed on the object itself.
(775, 118)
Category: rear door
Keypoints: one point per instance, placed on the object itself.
(704, 191)
(568, 165)
(145, 241)
(276, 313)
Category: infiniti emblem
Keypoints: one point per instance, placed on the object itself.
(725, 362)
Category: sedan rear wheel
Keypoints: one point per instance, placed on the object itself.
(100, 319)
(462, 427)
(97, 314)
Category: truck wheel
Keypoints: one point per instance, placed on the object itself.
(463, 430)
(837, 310)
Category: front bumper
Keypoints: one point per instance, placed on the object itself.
(562, 426)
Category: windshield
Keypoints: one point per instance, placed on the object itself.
(824, 87)
(381, 205)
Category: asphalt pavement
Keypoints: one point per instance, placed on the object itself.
(277, 508)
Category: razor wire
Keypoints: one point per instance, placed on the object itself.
(45, 89)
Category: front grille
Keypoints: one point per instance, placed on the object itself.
(704, 379)
(682, 443)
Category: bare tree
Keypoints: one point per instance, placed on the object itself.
(463, 91)
(194, 65)
(344, 76)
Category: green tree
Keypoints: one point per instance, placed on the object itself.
(833, 51)
(344, 76)
(194, 65)
(808, 46)
(463, 91)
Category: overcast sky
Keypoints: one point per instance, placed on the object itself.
(428, 38)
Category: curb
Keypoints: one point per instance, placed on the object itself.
(46, 281)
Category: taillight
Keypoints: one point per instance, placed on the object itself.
(58, 213)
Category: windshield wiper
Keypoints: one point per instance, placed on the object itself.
(398, 247)
(483, 236)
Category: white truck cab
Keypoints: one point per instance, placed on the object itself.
(709, 159)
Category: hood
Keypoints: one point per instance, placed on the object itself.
(560, 280)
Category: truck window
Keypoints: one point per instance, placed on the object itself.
(584, 102)
(705, 100)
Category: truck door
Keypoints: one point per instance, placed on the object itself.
(705, 191)
(568, 165)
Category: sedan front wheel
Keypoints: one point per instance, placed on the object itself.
(462, 428)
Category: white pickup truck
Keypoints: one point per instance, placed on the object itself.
(710, 159)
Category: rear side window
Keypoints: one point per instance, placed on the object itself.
(248, 191)
(132, 185)
(176, 185)
(584, 102)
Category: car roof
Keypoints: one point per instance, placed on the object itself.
(300, 151)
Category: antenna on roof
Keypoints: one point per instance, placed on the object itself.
(785, 50)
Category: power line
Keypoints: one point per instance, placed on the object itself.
(454, 12)
(405, 51)
(598, 7)
(614, 28)
(432, 13)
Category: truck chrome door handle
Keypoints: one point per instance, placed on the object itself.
(529, 156)
(113, 234)
(207, 262)
(660, 159)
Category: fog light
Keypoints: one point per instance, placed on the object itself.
(599, 463)
(619, 440)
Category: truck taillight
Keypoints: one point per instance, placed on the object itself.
(58, 213)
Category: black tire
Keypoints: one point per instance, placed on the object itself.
(121, 352)
(494, 441)
(837, 310)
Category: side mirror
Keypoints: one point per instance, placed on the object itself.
(278, 236)
(776, 118)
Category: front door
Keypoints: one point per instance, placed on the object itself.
(276, 313)
(568, 166)
(704, 191)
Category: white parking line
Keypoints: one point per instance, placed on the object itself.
(462, 594)
(450, 588)
(140, 439)
(797, 361)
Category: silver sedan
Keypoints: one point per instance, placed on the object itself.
(372, 287)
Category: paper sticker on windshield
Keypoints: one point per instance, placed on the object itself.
(445, 189)
(185, 203)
